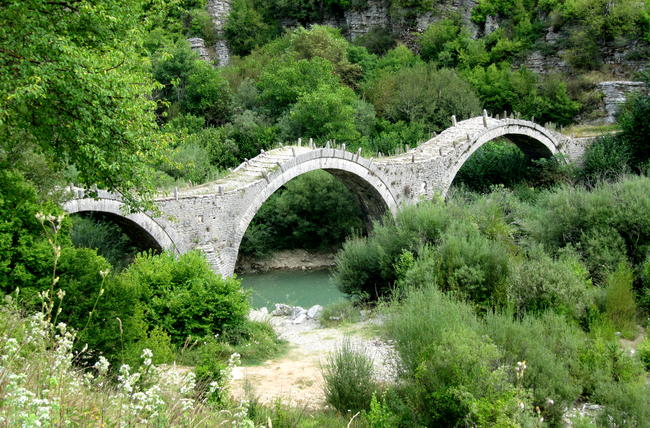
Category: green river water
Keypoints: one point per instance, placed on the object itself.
(296, 288)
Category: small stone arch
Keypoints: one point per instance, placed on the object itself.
(534, 140)
(152, 231)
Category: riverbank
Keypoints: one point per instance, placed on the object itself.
(287, 260)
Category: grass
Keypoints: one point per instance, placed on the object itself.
(579, 131)
(340, 313)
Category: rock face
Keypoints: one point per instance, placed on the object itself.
(198, 45)
(615, 93)
(360, 22)
(219, 11)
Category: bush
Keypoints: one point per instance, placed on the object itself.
(349, 383)
(620, 306)
(540, 283)
(423, 94)
(450, 367)
(497, 162)
(607, 158)
(633, 119)
(549, 345)
(246, 29)
(105, 237)
(378, 40)
(338, 313)
(184, 297)
(643, 351)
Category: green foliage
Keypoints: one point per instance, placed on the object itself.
(201, 25)
(605, 159)
(620, 306)
(313, 211)
(446, 43)
(501, 89)
(497, 162)
(423, 94)
(338, 313)
(191, 85)
(378, 40)
(78, 72)
(348, 374)
(567, 215)
(283, 84)
(106, 238)
(246, 29)
(471, 265)
(324, 114)
(542, 283)
(636, 130)
(643, 351)
(450, 373)
(380, 415)
(184, 297)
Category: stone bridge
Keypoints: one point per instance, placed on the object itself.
(214, 217)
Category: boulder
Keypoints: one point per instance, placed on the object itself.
(282, 310)
(300, 318)
(261, 314)
(314, 312)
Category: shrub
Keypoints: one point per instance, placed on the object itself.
(473, 266)
(423, 94)
(550, 347)
(105, 237)
(643, 351)
(245, 28)
(633, 119)
(497, 162)
(340, 312)
(644, 291)
(325, 113)
(378, 40)
(450, 367)
(184, 297)
(348, 374)
(620, 306)
(540, 283)
(607, 158)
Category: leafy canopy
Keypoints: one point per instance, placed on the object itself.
(74, 82)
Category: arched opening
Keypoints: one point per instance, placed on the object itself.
(508, 159)
(115, 237)
(297, 231)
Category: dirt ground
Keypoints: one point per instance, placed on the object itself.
(296, 377)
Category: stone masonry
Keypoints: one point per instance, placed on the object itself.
(214, 217)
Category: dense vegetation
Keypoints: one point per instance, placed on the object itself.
(109, 94)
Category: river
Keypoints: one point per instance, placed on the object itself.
(296, 288)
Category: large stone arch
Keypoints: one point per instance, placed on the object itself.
(534, 140)
(358, 174)
(148, 227)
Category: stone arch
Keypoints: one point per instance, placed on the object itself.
(145, 227)
(358, 174)
(534, 140)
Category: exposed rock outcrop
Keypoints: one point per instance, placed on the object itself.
(198, 45)
(219, 11)
(615, 93)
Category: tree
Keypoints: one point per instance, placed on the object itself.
(423, 94)
(74, 83)
(245, 29)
